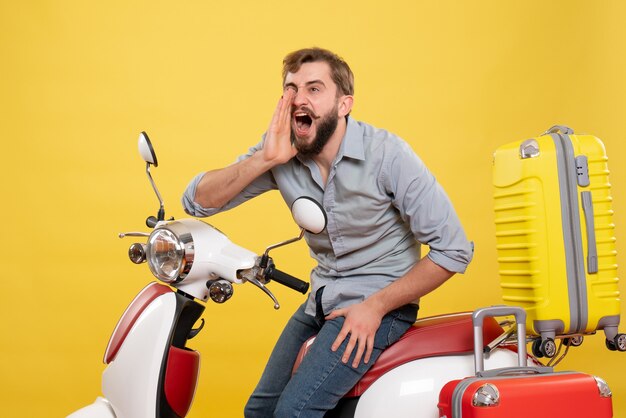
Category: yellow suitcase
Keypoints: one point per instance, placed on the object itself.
(555, 237)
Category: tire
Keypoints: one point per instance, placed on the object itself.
(548, 348)
(536, 348)
(620, 342)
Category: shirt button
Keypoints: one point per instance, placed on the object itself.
(328, 209)
(334, 239)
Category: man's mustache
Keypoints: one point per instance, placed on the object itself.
(308, 111)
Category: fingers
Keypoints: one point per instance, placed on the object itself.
(364, 344)
(360, 330)
(288, 97)
(281, 118)
(370, 348)
(277, 147)
(284, 111)
(357, 357)
(346, 354)
(343, 333)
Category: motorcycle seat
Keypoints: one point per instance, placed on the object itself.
(434, 336)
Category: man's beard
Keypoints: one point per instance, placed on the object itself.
(326, 127)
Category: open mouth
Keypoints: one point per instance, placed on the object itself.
(303, 120)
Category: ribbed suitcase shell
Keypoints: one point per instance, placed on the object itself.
(563, 394)
(543, 234)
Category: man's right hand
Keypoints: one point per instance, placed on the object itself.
(277, 148)
(218, 187)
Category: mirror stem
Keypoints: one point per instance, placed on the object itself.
(161, 214)
(265, 257)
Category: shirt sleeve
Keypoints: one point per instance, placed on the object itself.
(260, 185)
(426, 208)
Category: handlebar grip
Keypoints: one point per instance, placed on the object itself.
(286, 280)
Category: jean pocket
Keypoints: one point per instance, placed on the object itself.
(394, 325)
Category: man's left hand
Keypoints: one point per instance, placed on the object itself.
(361, 323)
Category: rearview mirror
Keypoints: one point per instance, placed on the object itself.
(309, 215)
(146, 150)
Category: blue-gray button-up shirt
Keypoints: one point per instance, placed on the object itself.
(381, 202)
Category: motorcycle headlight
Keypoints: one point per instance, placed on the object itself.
(167, 256)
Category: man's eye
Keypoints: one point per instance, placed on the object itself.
(315, 89)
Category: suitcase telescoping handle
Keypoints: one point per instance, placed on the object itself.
(477, 319)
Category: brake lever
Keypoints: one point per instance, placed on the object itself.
(261, 286)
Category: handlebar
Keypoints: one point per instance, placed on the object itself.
(272, 273)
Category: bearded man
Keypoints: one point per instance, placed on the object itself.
(381, 203)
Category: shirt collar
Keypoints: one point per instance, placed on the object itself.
(352, 144)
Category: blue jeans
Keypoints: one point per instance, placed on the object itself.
(322, 378)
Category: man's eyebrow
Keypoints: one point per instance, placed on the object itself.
(308, 83)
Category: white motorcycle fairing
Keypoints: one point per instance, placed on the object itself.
(209, 255)
(147, 352)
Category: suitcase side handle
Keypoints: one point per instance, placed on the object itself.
(566, 130)
(478, 318)
(592, 247)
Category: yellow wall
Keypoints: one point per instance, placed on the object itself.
(79, 80)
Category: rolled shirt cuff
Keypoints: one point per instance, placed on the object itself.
(454, 261)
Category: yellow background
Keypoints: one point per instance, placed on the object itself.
(80, 80)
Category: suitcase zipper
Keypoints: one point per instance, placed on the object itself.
(576, 278)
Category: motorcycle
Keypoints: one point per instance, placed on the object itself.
(151, 372)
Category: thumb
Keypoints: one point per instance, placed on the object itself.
(334, 314)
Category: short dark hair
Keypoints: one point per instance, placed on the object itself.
(339, 70)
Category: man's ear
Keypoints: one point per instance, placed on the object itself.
(345, 105)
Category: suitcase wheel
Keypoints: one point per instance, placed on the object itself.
(617, 344)
(577, 340)
(544, 348)
(573, 341)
